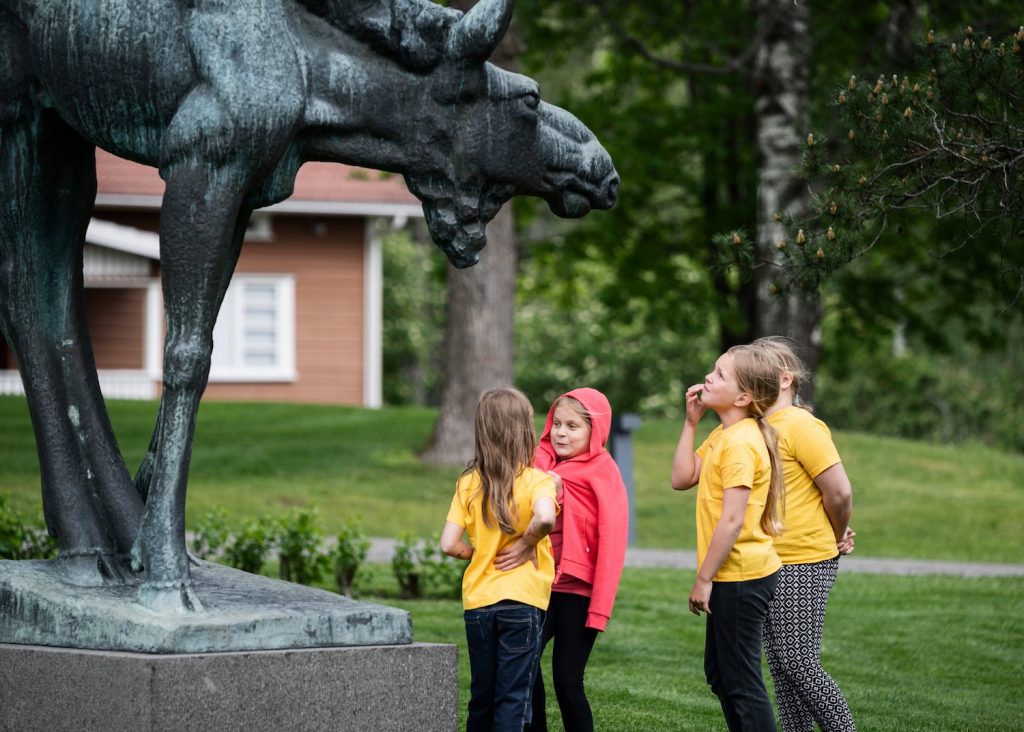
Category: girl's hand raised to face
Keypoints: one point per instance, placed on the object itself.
(694, 406)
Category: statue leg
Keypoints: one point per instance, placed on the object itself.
(48, 175)
(201, 235)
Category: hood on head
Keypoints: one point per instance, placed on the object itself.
(598, 409)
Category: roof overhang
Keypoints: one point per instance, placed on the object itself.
(288, 206)
(125, 239)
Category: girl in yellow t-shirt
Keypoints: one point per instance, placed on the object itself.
(500, 498)
(738, 512)
(819, 501)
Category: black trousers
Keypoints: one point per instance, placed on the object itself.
(732, 652)
(564, 623)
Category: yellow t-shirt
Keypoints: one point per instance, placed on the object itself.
(729, 458)
(806, 449)
(483, 584)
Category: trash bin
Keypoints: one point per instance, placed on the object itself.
(621, 447)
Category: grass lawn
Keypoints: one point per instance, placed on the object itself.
(910, 653)
(912, 499)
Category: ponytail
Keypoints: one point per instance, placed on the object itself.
(774, 516)
(757, 374)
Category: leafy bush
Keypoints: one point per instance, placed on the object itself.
(247, 548)
(421, 568)
(37, 543)
(300, 548)
(442, 574)
(212, 535)
(22, 540)
(969, 394)
(407, 565)
(349, 555)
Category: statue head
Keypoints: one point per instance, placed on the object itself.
(487, 137)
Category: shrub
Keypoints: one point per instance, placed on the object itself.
(22, 540)
(349, 555)
(422, 568)
(247, 548)
(300, 548)
(212, 535)
(407, 565)
(442, 574)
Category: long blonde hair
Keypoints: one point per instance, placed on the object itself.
(505, 446)
(757, 374)
(782, 349)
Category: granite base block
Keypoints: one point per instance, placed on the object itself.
(410, 687)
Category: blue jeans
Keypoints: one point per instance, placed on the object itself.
(504, 654)
(732, 652)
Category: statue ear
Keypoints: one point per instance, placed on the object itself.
(479, 31)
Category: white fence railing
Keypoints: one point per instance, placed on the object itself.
(114, 384)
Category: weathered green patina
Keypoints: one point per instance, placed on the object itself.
(228, 98)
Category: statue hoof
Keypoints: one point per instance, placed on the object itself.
(92, 568)
(170, 598)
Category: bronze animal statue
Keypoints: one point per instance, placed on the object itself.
(227, 98)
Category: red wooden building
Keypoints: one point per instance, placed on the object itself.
(302, 319)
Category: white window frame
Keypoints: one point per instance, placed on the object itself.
(232, 315)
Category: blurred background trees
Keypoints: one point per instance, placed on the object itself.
(921, 334)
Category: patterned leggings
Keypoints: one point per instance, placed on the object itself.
(792, 642)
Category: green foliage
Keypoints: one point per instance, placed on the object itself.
(567, 336)
(682, 143)
(21, 539)
(212, 535)
(441, 573)
(422, 569)
(407, 565)
(351, 551)
(413, 319)
(967, 394)
(300, 549)
(247, 548)
(943, 142)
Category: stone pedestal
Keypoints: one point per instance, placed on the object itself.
(241, 612)
(410, 687)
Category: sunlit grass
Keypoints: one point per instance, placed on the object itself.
(912, 499)
(910, 653)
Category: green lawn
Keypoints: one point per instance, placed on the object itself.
(912, 499)
(911, 653)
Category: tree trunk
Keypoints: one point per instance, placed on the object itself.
(478, 340)
(479, 334)
(781, 91)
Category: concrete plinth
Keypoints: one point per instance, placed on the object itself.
(410, 687)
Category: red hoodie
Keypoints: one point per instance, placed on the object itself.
(595, 510)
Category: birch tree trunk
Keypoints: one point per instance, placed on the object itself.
(781, 91)
(479, 334)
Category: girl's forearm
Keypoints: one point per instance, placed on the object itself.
(537, 529)
(460, 550)
(722, 541)
(452, 542)
(684, 474)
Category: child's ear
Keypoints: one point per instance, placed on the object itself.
(785, 380)
(743, 400)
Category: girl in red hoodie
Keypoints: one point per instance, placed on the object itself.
(589, 543)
